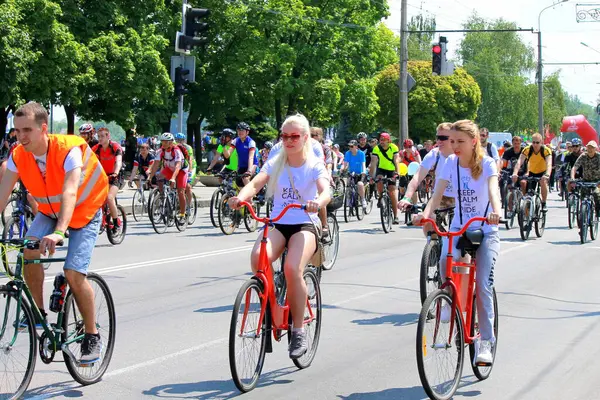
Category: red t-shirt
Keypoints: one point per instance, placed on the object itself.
(108, 156)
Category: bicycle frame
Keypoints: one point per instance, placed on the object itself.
(279, 314)
(52, 332)
(450, 281)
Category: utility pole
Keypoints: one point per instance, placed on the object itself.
(180, 97)
(540, 87)
(403, 74)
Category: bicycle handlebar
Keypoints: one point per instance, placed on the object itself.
(272, 220)
(456, 233)
(30, 244)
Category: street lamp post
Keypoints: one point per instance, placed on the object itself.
(539, 71)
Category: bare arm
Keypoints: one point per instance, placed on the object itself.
(251, 166)
(69, 198)
(397, 162)
(254, 186)
(228, 150)
(323, 189)
(9, 180)
(373, 165)
(436, 199)
(520, 162)
(118, 164)
(549, 165)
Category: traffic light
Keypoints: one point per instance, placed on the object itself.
(193, 27)
(181, 81)
(436, 60)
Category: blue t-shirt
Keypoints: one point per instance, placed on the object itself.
(355, 163)
(243, 149)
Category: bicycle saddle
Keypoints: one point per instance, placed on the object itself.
(470, 241)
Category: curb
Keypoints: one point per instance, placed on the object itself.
(201, 204)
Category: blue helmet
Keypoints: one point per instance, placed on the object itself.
(179, 136)
(576, 142)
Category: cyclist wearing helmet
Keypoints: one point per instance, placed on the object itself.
(264, 153)
(172, 160)
(87, 132)
(571, 158)
(539, 164)
(386, 163)
(364, 147)
(110, 155)
(191, 163)
(247, 154)
(230, 161)
(409, 153)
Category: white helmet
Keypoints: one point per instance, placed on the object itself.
(328, 142)
(167, 136)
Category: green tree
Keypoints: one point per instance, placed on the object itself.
(434, 99)
(419, 44)
(500, 63)
(554, 102)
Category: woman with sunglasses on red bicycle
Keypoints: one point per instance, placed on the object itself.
(294, 176)
(474, 179)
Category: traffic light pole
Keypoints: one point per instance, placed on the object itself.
(403, 75)
(540, 87)
(180, 99)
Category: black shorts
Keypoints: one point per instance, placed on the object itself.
(239, 180)
(386, 174)
(290, 230)
(115, 180)
(537, 175)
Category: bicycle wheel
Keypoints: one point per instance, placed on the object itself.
(247, 340)
(13, 203)
(151, 195)
(422, 191)
(430, 278)
(227, 216)
(540, 221)
(583, 220)
(482, 372)
(386, 214)
(348, 205)
(157, 213)
(12, 230)
(180, 223)
(526, 218)
(369, 198)
(571, 211)
(73, 330)
(138, 205)
(312, 319)
(359, 211)
(331, 248)
(510, 210)
(116, 235)
(18, 358)
(193, 210)
(250, 223)
(215, 202)
(439, 351)
(593, 222)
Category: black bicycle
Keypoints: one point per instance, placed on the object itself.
(531, 212)
(353, 204)
(384, 203)
(588, 217)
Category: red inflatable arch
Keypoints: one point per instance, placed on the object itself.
(579, 125)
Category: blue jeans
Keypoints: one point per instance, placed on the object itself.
(487, 255)
(81, 241)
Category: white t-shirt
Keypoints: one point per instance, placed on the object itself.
(429, 162)
(474, 199)
(305, 181)
(171, 157)
(73, 160)
(494, 150)
(316, 146)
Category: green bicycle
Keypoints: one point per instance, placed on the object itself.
(18, 336)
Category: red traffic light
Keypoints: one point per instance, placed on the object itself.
(437, 49)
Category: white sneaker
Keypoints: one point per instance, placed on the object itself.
(445, 314)
(484, 355)
(364, 203)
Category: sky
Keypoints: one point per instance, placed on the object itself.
(561, 33)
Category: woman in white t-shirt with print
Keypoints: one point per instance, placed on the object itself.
(295, 176)
(474, 179)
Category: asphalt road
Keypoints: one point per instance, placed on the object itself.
(174, 296)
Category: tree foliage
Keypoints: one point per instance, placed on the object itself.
(433, 100)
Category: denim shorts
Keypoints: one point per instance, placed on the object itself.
(81, 241)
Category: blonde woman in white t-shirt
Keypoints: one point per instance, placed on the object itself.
(474, 179)
(295, 176)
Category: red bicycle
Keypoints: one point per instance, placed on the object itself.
(262, 308)
(441, 343)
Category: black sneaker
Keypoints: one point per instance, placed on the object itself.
(90, 349)
(325, 236)
(298, 345)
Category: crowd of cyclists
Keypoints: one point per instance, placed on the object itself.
(70, 178)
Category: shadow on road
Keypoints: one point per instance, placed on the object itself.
(392, 319)
(66, 389)
(369, 231)
(563, 242)
(411, 393)
(217, 389)
(214, 310)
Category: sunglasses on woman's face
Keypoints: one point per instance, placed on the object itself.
(442, 138)
(294, 137)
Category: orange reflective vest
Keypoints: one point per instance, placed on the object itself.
(47, 192)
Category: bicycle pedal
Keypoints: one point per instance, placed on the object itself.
(482, 364)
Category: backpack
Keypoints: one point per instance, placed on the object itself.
(184, 151)
(112, 145)
(542, 152)
(489, 149)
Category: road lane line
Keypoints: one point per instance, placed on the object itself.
(151, 263)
